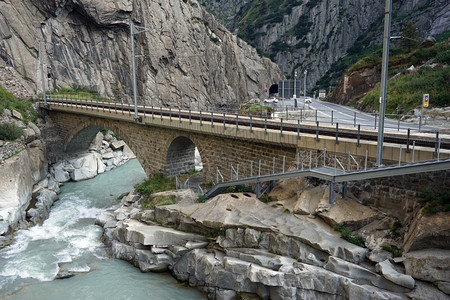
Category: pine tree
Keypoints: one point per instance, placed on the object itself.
(409, 40)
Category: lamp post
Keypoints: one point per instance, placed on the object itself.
(304, 84)
(295, 89)
(384, 69)
(42, 73)
(140, 29)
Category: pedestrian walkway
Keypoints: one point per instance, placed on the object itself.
(335, 175)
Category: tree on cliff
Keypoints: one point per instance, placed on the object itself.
(409, 40)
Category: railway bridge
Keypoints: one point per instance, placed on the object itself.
(164, 140)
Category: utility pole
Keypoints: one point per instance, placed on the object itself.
(139, 30)
(384, 71)
(42, 73)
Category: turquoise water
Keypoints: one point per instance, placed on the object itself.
(70, 240)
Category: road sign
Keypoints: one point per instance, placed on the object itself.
(426, 100)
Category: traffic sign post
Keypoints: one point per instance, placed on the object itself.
(426, 101)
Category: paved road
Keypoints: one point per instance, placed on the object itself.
(332, 113)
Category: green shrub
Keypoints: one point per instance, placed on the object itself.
(436, 199)
(396, 252)
(155, 184)
(443, 57)
(346, 234)
(395, 227)
(239, 189)
(10, 132)
(202, 198)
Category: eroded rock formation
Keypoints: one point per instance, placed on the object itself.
(186, 58)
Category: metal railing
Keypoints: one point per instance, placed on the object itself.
(250, 123)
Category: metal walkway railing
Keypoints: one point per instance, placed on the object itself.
(335, 175)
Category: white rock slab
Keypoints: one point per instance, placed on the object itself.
(158, 236)
(388, 271)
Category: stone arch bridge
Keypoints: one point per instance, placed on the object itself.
(164, 141)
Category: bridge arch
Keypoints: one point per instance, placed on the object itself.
(181, 156)
(81, 140)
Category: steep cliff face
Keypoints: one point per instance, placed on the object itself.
(312, 35)
(185, 58)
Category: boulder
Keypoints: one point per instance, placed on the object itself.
(117, 145)
(53, 185)
(388, 271)
(60, 174)
(428, 264)
(127, 152)
(16, 114)
(377, 233)
(363, 275)
(426, 291)
(287, 188)
(38, 160)
(428, 232)
(86, 166)
(379, 255)
(97, 141)
(16, 181)
(108, 155)
(349, 213)
(308, 200)
(35, 128)
(138, 232)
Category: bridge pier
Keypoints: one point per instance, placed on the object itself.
(331, 195)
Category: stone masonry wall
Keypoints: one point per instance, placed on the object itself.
(180, 156)
(151, 146)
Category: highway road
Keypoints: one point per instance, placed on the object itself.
(331, 113)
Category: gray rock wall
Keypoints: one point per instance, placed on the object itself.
(331, 28)
(187, 58)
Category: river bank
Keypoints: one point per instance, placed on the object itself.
(69, 243)
(234, 244)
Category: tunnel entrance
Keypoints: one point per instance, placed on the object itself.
(273, 90)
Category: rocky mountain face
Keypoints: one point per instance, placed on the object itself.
(312, 35)
(185, 58)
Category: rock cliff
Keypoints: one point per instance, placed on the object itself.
(312, 35)
(185, 58)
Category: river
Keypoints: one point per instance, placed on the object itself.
(70, 239)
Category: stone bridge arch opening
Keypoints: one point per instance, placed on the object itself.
(182, 157)
(82, 139)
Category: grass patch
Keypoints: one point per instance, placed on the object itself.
(78, 92)
(265, 198)
(9, 101)
(153, 202)
(258, 107)
(10, 132)
(406, 92)
(155, 184)
(346, 234)
(435, 200)
(122, 195)
(395, 227)
(396, 252)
